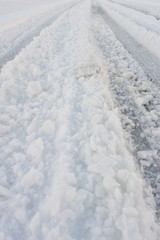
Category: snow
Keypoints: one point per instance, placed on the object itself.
(146, 6)
(17, 34)
(33, 89)
(48, 127)
(66, 170)
(144, 29)
(35, 149)
(32, 178)
(139, 121)
(13, 11)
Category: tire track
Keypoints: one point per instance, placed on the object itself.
(149, 62)
(21, 43)
(136, 9)
(143, 141)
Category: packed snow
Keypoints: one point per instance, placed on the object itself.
(66, 170)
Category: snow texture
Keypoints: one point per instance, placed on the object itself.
(144, 29)
(137, 96)
(18, 34)
(145, 6)
(66, 172)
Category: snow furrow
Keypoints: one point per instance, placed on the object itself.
(137, 97)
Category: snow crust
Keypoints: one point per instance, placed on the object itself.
(66, 171)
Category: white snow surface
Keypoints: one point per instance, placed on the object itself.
(66, 173)
(149, 22)
(16, 32)
(145, 29)
(12, 11)
(149, 7)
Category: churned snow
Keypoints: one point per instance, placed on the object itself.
(66, 172)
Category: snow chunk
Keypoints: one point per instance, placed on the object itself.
(4, 192)
(145, 163)
(148, 154)
(110, 184)
(141, 101)
(34, 225)
(67, 215)
(4, 130)
(88, 70)
(2, 236)
(48, 127)
(128, 75)
(20, 215)
(33, 89)
(35, 70)
(31, 178)
(156, 132)
(35, 149)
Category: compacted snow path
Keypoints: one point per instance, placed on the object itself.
(65, 169)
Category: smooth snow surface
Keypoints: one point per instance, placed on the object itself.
(66, 173)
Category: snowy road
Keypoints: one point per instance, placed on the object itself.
(67, 169)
